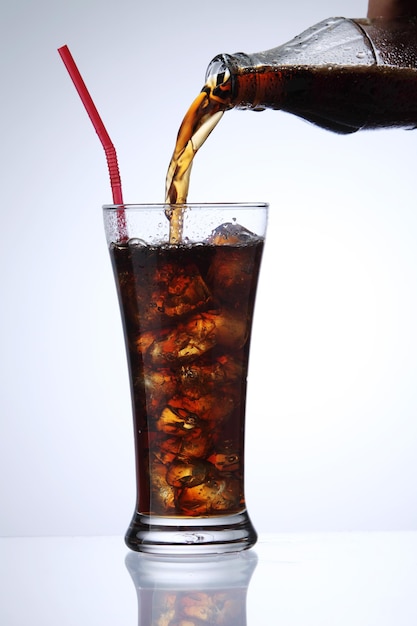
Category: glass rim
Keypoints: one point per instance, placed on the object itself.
(192, 205)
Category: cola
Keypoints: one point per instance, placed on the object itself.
(187, 313)
(339, 99)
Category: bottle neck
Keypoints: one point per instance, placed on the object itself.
(250, 86)
(258, 89)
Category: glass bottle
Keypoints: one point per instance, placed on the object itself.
(341, 74)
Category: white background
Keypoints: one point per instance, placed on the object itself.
(331, 428)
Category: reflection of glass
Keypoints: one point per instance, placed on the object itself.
(193, 591)
(187, 311)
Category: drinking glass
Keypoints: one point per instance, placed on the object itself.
(187, 310)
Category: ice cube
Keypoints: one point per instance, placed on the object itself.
(187, 472)
(186, 341)
(163, 494)
(177, 421)
(167, 291)
(231, 273)
(215, 495)
(184, 287)
(230, 234)
(201, 377)
(165, 449)
(159, 385)
(226, 457)
(196, 446)
(231, 328)
(192, 338)
(211, 407)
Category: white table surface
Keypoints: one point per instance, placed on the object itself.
(299, 579)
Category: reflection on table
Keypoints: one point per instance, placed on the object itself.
(318, 579)
(191, 591)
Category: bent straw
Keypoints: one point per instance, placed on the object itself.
(101, 131)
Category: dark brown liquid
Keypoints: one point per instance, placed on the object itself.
(340, 99)
(187, 314)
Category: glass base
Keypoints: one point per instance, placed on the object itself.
(187, 536)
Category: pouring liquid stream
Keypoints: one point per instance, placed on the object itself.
(201, 118)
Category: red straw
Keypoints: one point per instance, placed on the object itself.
(102, 133)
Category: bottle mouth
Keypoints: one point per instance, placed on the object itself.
(219, 81)
(217, 72)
